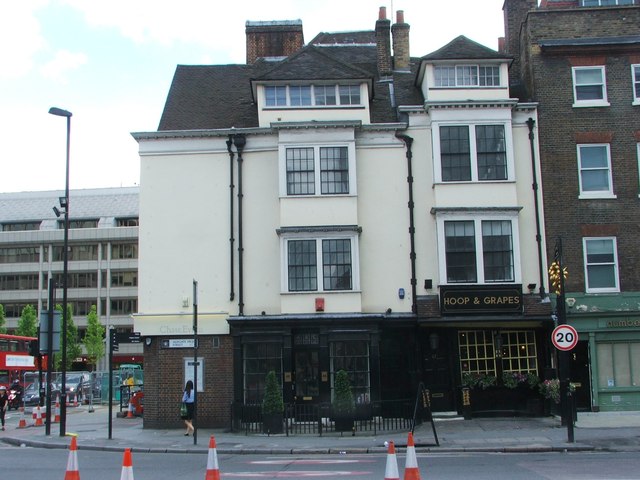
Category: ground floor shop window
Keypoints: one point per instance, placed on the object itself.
(477, 352)
(353, 357)
(518, 351)
(491, 353)
(258, 360)
(618, 364)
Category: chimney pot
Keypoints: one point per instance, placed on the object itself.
(400, 34)
(383, 13)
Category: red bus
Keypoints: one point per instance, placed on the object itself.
(15, 359)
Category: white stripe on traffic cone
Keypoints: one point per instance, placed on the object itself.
(127, 466)
(213, 473)
(391, 470)
(72, 472)
(411, 471)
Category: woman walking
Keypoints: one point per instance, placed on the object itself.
(188, 397)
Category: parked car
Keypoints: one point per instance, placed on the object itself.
(78, 383)
(32, 394)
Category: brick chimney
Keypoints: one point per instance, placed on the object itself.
(273, 39)
(383, 43)
(400, 33)
(515, 14)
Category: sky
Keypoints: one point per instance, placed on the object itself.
(111, 62)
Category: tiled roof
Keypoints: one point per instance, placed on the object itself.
(315, 63)
(210, 97)
(462, 48)
(84, 204)
(365, 37)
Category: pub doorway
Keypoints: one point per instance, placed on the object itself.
(438, 371)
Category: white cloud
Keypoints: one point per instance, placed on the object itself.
(219, 26)
(63, 62)
(20, 37)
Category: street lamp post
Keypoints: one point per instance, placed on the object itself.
(64, 203)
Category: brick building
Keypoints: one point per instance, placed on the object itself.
(580, 61)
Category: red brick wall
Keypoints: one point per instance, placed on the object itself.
(164, 382)
(562, 126)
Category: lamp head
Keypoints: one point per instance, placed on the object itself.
(60, 112)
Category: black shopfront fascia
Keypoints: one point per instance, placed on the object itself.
(494, 308)
(293, 332)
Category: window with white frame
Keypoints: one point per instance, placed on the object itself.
(594, 163)
(320, 263)
(467, 75)
(601, 264)
(605, 3)
(276, 96)
(479, 250)
(589, 86)
(317, 169)
(635, 74)
(473, 153)
(312, 95)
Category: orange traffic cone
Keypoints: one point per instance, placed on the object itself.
(130, 412)
(127, 466)
(38, 413)
(391, 470)
(75, 399)
(213, 473)
(56, 418)
(23, 422)
(72, 472)
(411, 471)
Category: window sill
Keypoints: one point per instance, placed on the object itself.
(597, 196)
(313, 107)
(603, 290)
(587, 104)
(636, 102)
(319, 292)
(474, 182)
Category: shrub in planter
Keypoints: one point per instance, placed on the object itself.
(343, 406)
(272, 405)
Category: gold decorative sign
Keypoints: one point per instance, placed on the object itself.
(287, 376)
(325, 376)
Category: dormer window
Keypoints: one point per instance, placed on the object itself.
(312, 95)
(467, 75)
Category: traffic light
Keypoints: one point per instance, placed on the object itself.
(114, 340)
(34, 348)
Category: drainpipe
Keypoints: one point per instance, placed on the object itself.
(239, 141)
(408, 141)
(232, 240)
(530, 123)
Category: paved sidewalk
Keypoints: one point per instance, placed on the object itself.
(619, 431)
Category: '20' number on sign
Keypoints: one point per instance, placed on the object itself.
(564, 337)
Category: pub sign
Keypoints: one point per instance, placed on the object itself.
(480, 299)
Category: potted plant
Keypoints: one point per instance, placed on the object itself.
(272, 405)
(343, 406)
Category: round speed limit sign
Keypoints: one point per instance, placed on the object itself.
(564, 337)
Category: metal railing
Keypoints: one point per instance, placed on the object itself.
(317, 419)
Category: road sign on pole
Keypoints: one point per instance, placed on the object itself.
(564, 337)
